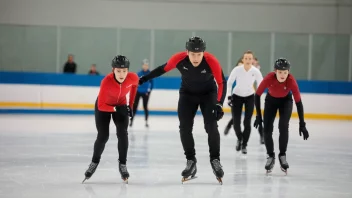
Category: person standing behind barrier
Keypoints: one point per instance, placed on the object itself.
(143, 91)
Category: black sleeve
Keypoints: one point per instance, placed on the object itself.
(300, 111)
(257, 105)
(155, 72)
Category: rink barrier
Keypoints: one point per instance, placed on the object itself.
(43, 93)
(173, 83)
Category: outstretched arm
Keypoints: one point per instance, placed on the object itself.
(170, 65)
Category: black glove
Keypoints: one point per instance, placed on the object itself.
(142, 80)
(130, 112)
(229, 102)
(218, 112)
(258, 122)
(303, 129)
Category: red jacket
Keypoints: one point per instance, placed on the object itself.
(112, 93)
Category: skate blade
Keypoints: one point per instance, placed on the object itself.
(269, 171)
(220, 180)
(84, 180)
(188, 179)
(284, 170)
(125, 180)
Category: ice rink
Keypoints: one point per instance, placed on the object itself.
(47, 155)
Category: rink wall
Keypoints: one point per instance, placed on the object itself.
(76, 94)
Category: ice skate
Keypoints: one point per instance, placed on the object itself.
(124, 173)
(190, 171)
(238, 145)
(146, 124)
(244, 149)
(90, 171)
(269, 164)
(217, 170)
(283, 163)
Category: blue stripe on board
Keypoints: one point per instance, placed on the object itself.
(323, 87)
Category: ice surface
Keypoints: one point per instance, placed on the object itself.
(47, 155)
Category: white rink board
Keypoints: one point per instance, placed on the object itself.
(160, 99)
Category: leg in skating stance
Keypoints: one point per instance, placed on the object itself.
(236, 109)
(187, 108)
(270, 110)
(211, 127)
(249, 107)
(285, 111)
(120, 119)
(102, 122)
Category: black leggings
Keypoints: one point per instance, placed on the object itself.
(187, 108)
(236, 110)
(145, 97)
(102, 122)
(284, 105)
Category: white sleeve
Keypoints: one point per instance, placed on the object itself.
(231, 80)
(258, 77)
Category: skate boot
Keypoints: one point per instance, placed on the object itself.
(270, 164)
(124, 173)
(283, 163)
(90, 171)
(217, 169)
(190, 170)
(239, 145)
(244, 149)
(146, 124)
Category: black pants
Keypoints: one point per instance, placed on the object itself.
(187, 108)
(236, 110)
(102, 122)
(145, 98)
(284, 105)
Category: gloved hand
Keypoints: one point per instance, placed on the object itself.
(258, 122)
(142, 80)
(130, 112)
(218, 111)
(303, 129)
(229, 102)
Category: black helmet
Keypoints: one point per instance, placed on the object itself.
(196, 44)
(282, 64)
(120, 61)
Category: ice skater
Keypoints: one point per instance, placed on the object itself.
(243, 94)
(198, 89)
(143, 92)
(111, 102)
(280, 84)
